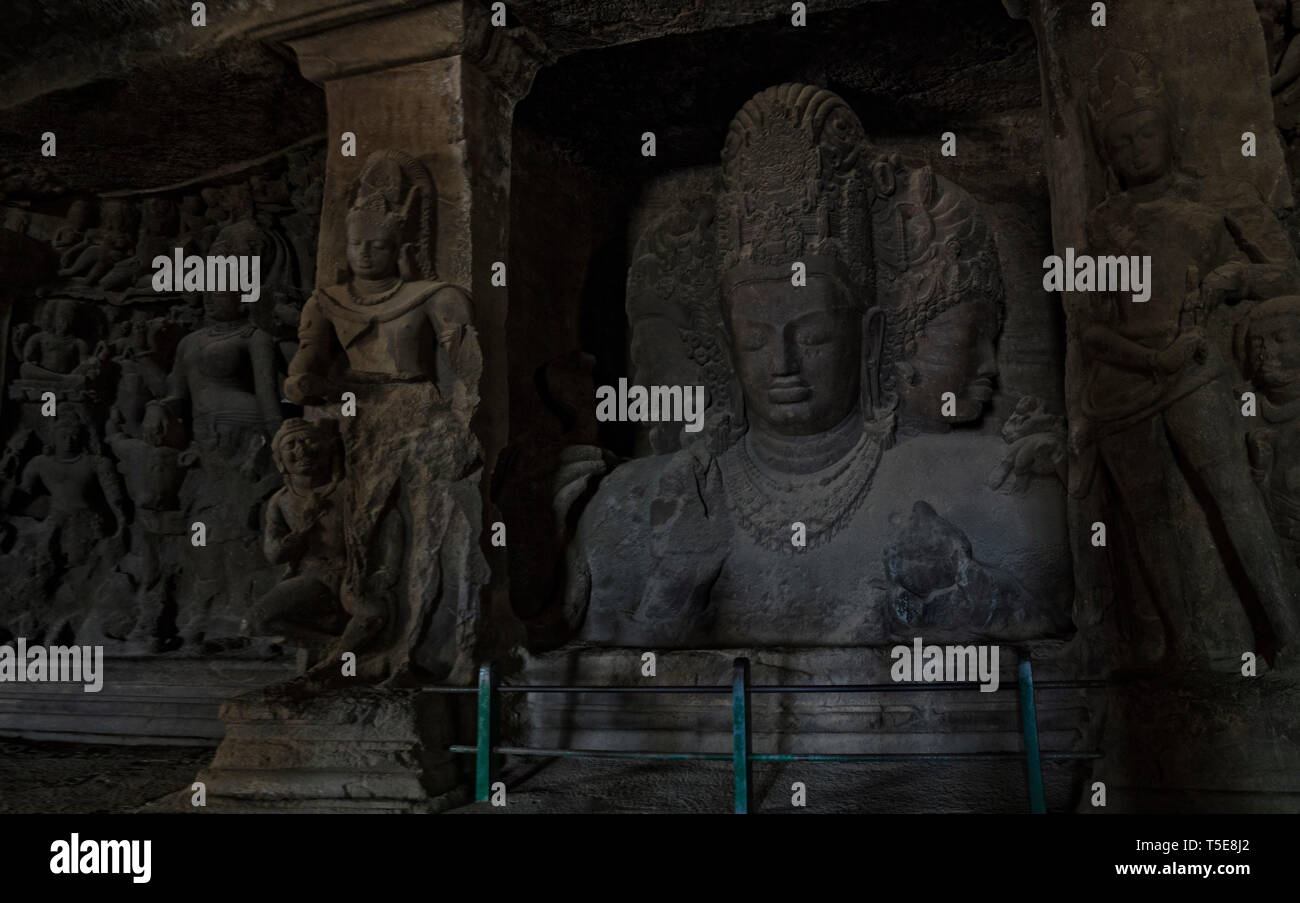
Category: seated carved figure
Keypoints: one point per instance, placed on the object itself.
(55, 359)
(54, 353)
(784, 523)
(304, 531)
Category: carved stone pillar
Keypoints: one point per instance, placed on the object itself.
(439, 82)
(1191, 576)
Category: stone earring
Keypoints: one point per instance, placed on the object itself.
(406, 265)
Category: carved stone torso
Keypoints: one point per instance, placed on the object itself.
(392, 339)
(317, 514)
(1178, 228)
(697, 578)
(216, 363)
(57, 353)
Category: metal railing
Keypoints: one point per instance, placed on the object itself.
(487, 749)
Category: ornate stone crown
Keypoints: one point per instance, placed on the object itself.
(792, 190)
(395, 193)
(1123, 82)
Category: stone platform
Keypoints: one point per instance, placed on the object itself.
(945, 721)
(1218, 743)
(152, 701)
(366, 750)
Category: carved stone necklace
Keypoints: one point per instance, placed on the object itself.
(824, 501)
(371, 300)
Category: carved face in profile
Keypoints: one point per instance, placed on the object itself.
(372, 248)
(1273, 349)
(954, 353)
(798, 352)
(222, 307)
(1138, 147)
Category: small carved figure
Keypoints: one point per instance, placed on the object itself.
(1037, 440)
(81, 215)
(54, 352)
(1270, 340)
(103, 246)
(304, 531)
(153, 468)
(72, 472)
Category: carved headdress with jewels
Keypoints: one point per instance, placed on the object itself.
(1123, 82)
(396, 194)
(794, 190)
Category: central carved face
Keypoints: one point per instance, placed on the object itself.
(303, 454)
(1138, 147)
(372, 250)
(798, 353)
(954, 353)
(1273, 346)
(61, 321)
(222, 307)
(67, 440)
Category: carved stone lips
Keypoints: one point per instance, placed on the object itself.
(788, 391)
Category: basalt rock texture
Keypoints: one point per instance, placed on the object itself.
(388, 465)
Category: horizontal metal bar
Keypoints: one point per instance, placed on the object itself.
(908, 757)
(561, 689)
(594, 753)
(768, 757)
(448, 690)
(796, 688)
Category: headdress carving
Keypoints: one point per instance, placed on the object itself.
(933, 250)
(1123, 82)
(792, 190)
(326, 430)
(395, 192)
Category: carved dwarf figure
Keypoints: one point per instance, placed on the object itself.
(304, 531)
(1158, 396)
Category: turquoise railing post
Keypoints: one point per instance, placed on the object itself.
(1029, 727)
(484, 762)
(740, 734)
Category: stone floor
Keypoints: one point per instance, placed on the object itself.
(83, 778)
(44, 777)
(611, 786)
